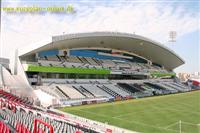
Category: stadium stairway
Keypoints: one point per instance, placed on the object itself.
(171, 89)
(84, 91)
(158, 87)
(138, 87)
(80, 90)
(83, 60)
(116, 89)
(181, 86)
(127, 91)
(96, 91)
(99, 62)
(63, 92)
(151, 89)
(56, 89)
(179, 89)
(88, 92)
(128, 87)
(70, 91)
(109, 91)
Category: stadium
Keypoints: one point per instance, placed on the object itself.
(74, 82)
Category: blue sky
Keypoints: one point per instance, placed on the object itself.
(152, 19)
(188, 48)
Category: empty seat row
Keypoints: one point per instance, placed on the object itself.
(19, 118)
(27, 119)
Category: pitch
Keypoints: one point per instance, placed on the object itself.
(148, 115)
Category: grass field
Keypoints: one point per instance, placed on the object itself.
(159, 114)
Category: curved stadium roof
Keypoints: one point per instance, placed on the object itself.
(136, 44)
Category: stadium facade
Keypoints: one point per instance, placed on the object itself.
(87, 68)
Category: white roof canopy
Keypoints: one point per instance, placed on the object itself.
(139, 45)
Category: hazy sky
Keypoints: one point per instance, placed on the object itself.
(152, 19)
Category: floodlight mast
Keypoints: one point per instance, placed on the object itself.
(172, 36)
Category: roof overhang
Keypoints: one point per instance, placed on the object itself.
(139, 45)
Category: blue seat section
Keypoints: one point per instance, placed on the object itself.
(48, 53)
(93, 54)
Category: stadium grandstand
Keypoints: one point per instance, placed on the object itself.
(99, 67)
(80, 69)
